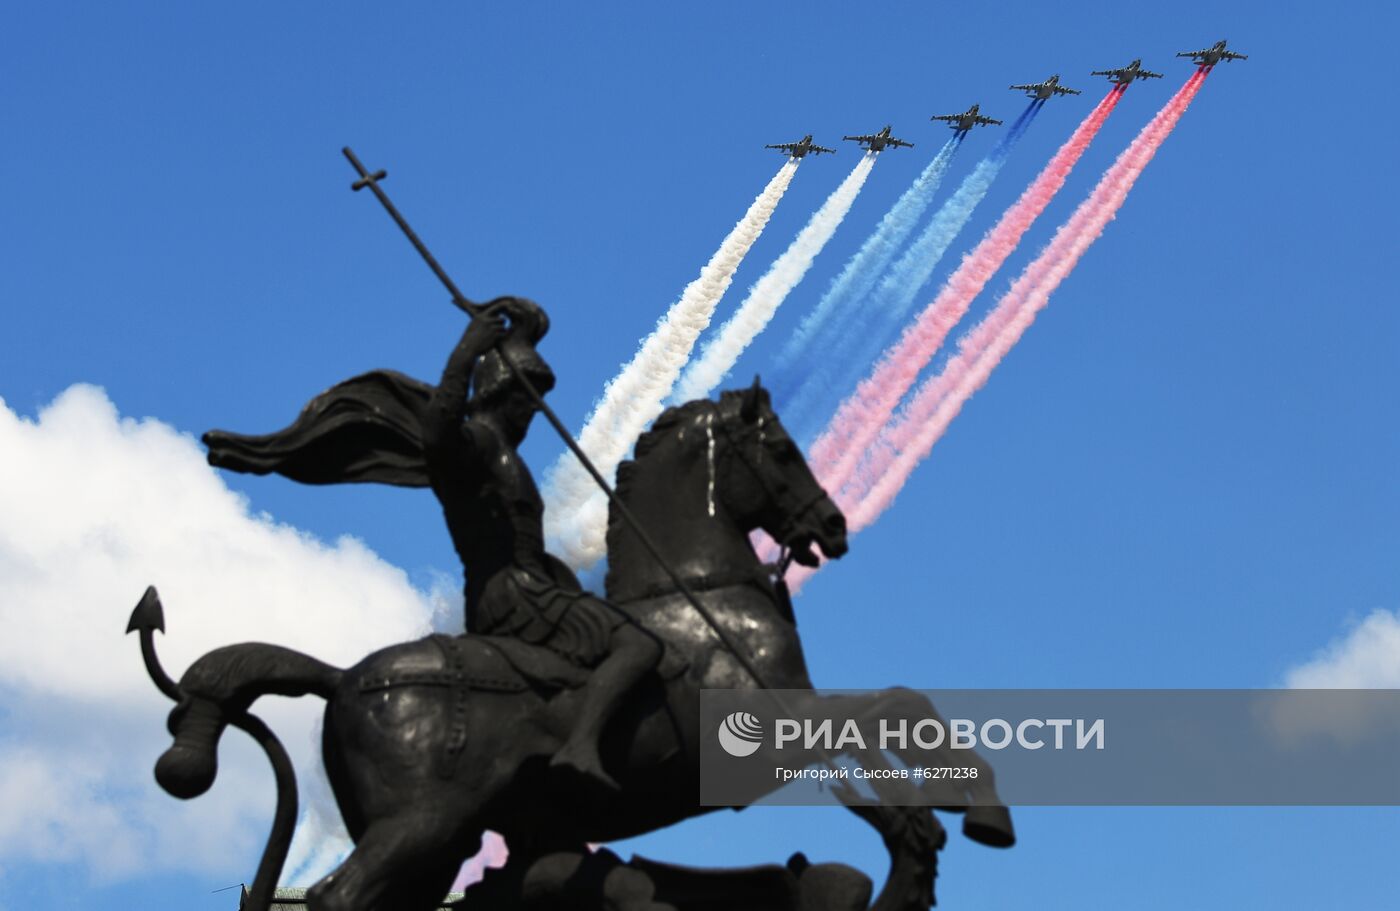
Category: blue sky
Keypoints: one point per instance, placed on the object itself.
(1184, 476)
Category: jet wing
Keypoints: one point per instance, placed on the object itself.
(1030, 87)
(1061, 90)
(1231, 55)
(899, 143)
(1148, 74)
(817, 150)
(1194, 53)
(1118, 72)
(950, 118)
(868, 137)
(783, 146)
(986, 121)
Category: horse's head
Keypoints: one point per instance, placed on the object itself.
(763, 481)
(705, 475)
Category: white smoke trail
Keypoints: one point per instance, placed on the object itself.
(769, 292)
(575, 511)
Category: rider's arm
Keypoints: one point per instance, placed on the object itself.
(447, 408)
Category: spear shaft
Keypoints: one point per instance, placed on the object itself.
(372, 181)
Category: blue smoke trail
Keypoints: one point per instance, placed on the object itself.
(912, 271)
(861, 271)
(889, 303)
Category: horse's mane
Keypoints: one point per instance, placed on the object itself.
(665, 425)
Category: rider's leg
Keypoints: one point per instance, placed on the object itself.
(633, 653)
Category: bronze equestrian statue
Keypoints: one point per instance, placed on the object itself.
(559, 719)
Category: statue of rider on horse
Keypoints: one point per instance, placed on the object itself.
(559, 719)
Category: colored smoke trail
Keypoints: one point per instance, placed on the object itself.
(913, 269)
(862, 417)
(939, 400)
(905, 444)
(769, 292)
(861, 270)
(889, 304)
(575, 510)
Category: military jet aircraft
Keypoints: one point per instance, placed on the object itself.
(1047, 89)
(965, 121)
(876, 142)
(1127, 74)
(1213, 55)
(801, 147)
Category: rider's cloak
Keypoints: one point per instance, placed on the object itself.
(367, 429)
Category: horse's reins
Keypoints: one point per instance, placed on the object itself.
(780, 567)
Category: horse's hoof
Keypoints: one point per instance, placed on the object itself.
(989, 826)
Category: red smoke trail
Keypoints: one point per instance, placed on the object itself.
(861, 417)
(906, 442)
(903, 445)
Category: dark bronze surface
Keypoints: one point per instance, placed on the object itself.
(559, 718)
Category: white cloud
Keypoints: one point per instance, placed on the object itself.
(1367, 657)
(93, 508)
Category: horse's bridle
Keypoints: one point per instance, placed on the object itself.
(792, 517)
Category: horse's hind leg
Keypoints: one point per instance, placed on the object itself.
(406, 862)
(422, 888)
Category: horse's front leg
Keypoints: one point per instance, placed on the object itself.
(986, 819)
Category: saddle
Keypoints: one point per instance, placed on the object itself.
(474, 663)
(482, 664)
(489, 664)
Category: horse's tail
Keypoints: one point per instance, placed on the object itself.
(284, 820)
(217, 690)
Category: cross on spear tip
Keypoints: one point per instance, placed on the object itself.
(372, 181)
(367, 179)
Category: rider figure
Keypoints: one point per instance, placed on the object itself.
(495, 516)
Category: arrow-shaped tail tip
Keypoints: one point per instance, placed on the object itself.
(148, 613)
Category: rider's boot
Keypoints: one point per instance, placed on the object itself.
(633, 654)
